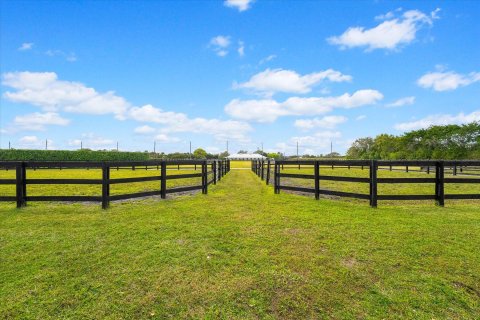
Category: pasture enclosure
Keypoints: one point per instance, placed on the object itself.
(127, 179)
(375, 180)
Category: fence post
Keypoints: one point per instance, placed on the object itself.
(228, 164)
(267, 180)
(214, 169)
(373, 183)
(105, 186)
(454, 169)
(263, 169)
(163, 179)
(21, 186)
(204, 177)
(439, 183)
(317, 180)
(276, 178)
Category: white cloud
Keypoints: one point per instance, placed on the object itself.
(38, 121)
(268, 110)
(220, 44)
(270, 81)
(439, 119)
(179, 122)
(26, 46)
(402, 102)
(328, 122)
(45, 90)
(240, 5)
(361, 117)
(33, 142)
(144, 130)
(241, 48)
(93, 141)
(70, 57)
(267, 59)
(163, 138)
(389, 34)
(443, 81)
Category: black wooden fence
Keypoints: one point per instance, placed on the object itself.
(211, 172)
(270, 170)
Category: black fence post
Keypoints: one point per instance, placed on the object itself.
(214, 168)
(228, 164)
(163, 180)
(204, 177)
(263, 169)
(267, 179)
(454, 169)
(105, 186)
(317, 180)
(276, 178)
(21, 185)
(439, 183)
(373, 183)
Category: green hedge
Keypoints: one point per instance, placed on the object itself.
(64, 155)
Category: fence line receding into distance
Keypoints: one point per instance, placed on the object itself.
(211, 172)
(271, 171)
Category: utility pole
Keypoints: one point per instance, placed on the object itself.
(154, 146)
(297, 151)
(81, 145)
(190, 149)
(262, 146)
(227, 146)
(331, 147)
(8, 145)
(46, 144)
(117, 145)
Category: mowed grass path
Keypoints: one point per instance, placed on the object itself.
(240, 252)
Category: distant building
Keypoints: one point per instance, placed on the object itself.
(246, 156)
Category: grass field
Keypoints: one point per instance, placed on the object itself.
(240, 252)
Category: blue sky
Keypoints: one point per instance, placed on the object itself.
(250, 72)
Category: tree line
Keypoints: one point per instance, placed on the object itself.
(448, 142)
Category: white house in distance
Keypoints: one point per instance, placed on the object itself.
(246, 156)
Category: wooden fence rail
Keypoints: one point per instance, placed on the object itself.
(265, 168)
(211, 172)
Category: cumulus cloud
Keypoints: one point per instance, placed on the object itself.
(241, 48)
(361, 117)
(270, 81)
(240, 5)
(444, 81)
(268, 110)
(402, 102)
(33, 142)
(220, 44)
(45, 90)
(439, 119)
(328, 122)
(390, 34)
(92, 141)
(144, 130)
(38, 121)
(26, 46)
(179, 122)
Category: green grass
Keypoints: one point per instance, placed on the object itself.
(240, 252)
(237, 164)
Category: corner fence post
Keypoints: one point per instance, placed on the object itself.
(317, 180)
(105, 186)
(21, 185)
(439, 183)
(373, 183)
(204, 177)
(163, 180)
(267, 179)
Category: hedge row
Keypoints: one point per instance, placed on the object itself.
(64, 155)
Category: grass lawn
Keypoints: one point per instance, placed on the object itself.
(240, 252)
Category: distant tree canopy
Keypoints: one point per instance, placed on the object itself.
(437, 142)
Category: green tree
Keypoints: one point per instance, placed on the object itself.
(200, 154)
